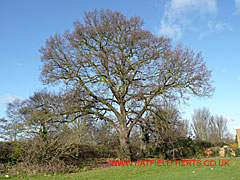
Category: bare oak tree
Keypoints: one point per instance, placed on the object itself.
(120, 65)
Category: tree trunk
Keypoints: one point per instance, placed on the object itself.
(145, 139)
(125, 153)
(145, 147)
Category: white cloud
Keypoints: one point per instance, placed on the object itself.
(203, 6)
(224, 70)
(237, 4)
(214, 28)
(178, 15)
(8, 98)
(19, 64)
(171, 30)
(238, 78)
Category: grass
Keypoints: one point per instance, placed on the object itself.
(153, 172)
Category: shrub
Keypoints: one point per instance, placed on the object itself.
(24, 169)
(214, 152)
(227, 152)
(6, 150)
(184, 148)
(18, 151)
(234, 145)
(237, 151)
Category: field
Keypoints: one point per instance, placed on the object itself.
(154, 172)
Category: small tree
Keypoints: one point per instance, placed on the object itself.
(12, 127)
(162, 128)
(120, 65)
(210, 128)
(201, 123)
(218, 129)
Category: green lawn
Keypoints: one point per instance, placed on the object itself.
(155, 172)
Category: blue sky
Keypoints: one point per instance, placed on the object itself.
(209, 26)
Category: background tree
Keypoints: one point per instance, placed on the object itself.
(201, 119)
(120, 65)
(44, 112)
(13, 126)
(2, 128)
(162, 129)
(210, 128)
(218, 129)
(39, 113)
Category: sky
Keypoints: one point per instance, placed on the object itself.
(208, 26)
